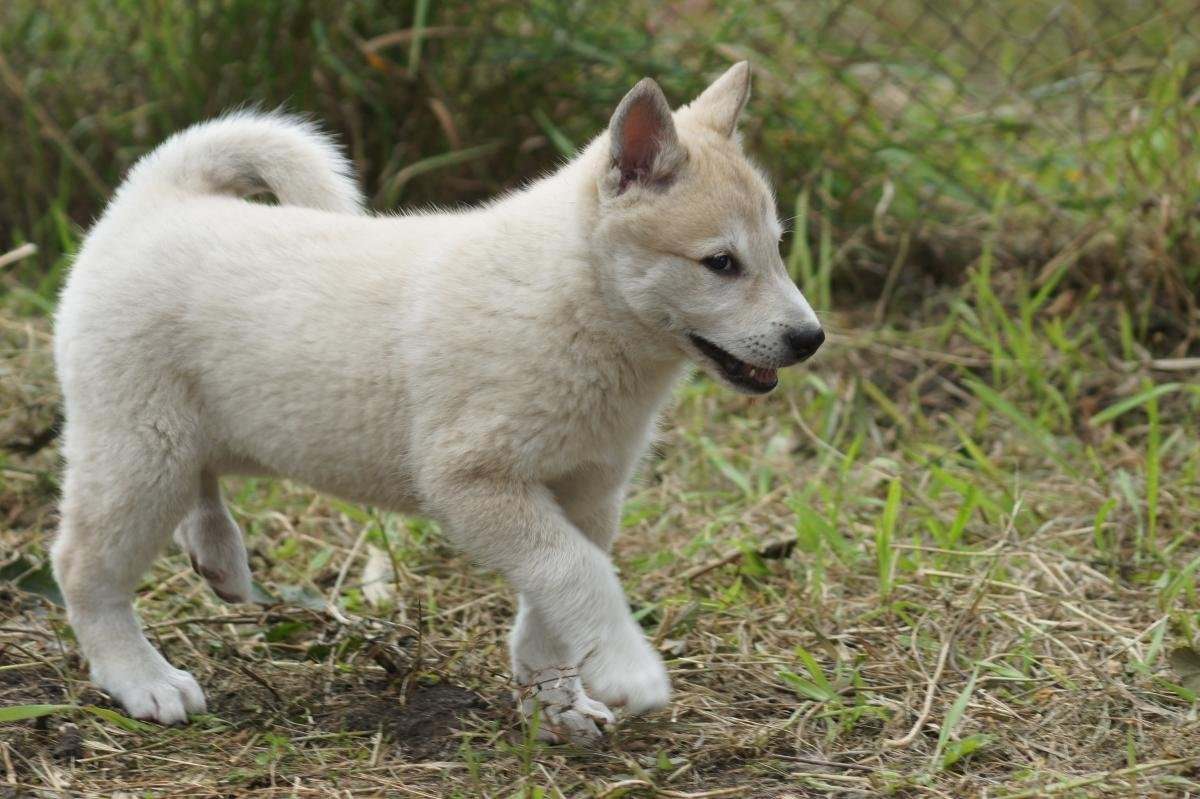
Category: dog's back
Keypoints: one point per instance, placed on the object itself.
(222, 324)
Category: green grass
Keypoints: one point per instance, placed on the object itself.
(957, 555)
(993, 545)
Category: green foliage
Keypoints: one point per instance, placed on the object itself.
(944, 754)
(815, 686)
(885, 555)
(15, 713)
(894, 146)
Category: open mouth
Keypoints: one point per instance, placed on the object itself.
(756, 379)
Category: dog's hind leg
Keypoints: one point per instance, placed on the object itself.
(213, 541)
(122, 495)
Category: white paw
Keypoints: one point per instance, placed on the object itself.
(631, 678)
(152, 692)
(568, 715)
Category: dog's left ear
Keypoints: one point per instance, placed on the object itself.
(720, 105)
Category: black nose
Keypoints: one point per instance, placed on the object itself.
(804, 341)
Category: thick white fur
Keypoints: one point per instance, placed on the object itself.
(499, 369)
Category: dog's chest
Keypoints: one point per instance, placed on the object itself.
(594, 417)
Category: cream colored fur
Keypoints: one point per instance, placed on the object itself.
(499, 369)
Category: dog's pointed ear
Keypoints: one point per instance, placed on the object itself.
(645, 148)
(720, 105)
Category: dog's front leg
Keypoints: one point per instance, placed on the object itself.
(547, 683)
(574, 613)
(592, 499)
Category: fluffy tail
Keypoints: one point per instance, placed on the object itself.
(249, 153)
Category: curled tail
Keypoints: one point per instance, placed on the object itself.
(247, 153)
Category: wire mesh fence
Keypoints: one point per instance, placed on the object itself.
(924, 118)
(898, 132)
(1011, 91)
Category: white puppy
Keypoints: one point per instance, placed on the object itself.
(498, 369)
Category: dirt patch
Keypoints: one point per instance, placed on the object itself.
(422, 725)
(69, 746)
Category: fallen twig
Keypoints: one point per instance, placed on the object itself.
(1091, 779)
(12, 256)
(776, 548)
(927, 705)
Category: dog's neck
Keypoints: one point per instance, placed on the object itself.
(564, 207)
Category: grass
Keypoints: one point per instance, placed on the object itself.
(970, 579)
(955, 556)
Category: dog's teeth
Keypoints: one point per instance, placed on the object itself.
(761, 374)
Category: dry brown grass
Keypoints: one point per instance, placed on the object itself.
(757, 546)
(1022, 597)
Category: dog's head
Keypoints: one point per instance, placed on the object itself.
(690, 237)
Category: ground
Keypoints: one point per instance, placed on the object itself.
(954, 556)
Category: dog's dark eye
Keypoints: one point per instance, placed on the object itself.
(722, 263)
